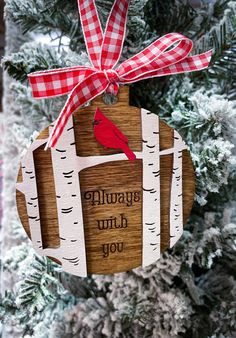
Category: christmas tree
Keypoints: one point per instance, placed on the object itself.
(191, 290)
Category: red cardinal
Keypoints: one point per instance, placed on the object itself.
(108, 135)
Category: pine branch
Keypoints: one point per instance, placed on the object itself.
(39, 288)
(222, 39)
(58, 16)
(209, 14)
(39, 292)
(36, 56)
(47, 17)
(207, 122)
(169, 16)
(220, 36)
(39, 112)
(32, 57)
(8, 306)
(212, 162)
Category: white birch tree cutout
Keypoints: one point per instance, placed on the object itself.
(71, 252)
(151, 188)
(176, 194)
(28, 187)
(66, 167)
(69, 205)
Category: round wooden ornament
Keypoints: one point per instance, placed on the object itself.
(94, 211)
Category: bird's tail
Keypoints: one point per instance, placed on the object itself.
(128, 152)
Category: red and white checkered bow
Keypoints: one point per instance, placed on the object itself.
(167, 55)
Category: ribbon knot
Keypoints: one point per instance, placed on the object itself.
(165, 56)
(113, 79)
(112, 76)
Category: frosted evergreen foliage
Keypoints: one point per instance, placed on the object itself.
(34, 56)
(207, 121)
(191, 290)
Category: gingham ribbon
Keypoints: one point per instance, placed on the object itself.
(167, 55)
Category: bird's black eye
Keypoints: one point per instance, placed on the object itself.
(96, 122)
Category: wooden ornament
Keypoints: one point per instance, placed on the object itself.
(94, 211)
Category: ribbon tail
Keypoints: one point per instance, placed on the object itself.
(85, 91)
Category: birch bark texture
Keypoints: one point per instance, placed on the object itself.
(151, 188)
(80, 164)
(29, 188)
(176, 199)
(69, 207)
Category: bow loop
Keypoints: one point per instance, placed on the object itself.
(114, 35)
(168, 49)
(92, 30)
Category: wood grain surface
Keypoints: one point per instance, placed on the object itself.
(114, 177)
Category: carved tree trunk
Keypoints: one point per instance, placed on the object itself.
(176, 198)
(29, 188)
(151, 187)
(69, 207)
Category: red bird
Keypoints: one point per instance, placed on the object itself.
(109, 136)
